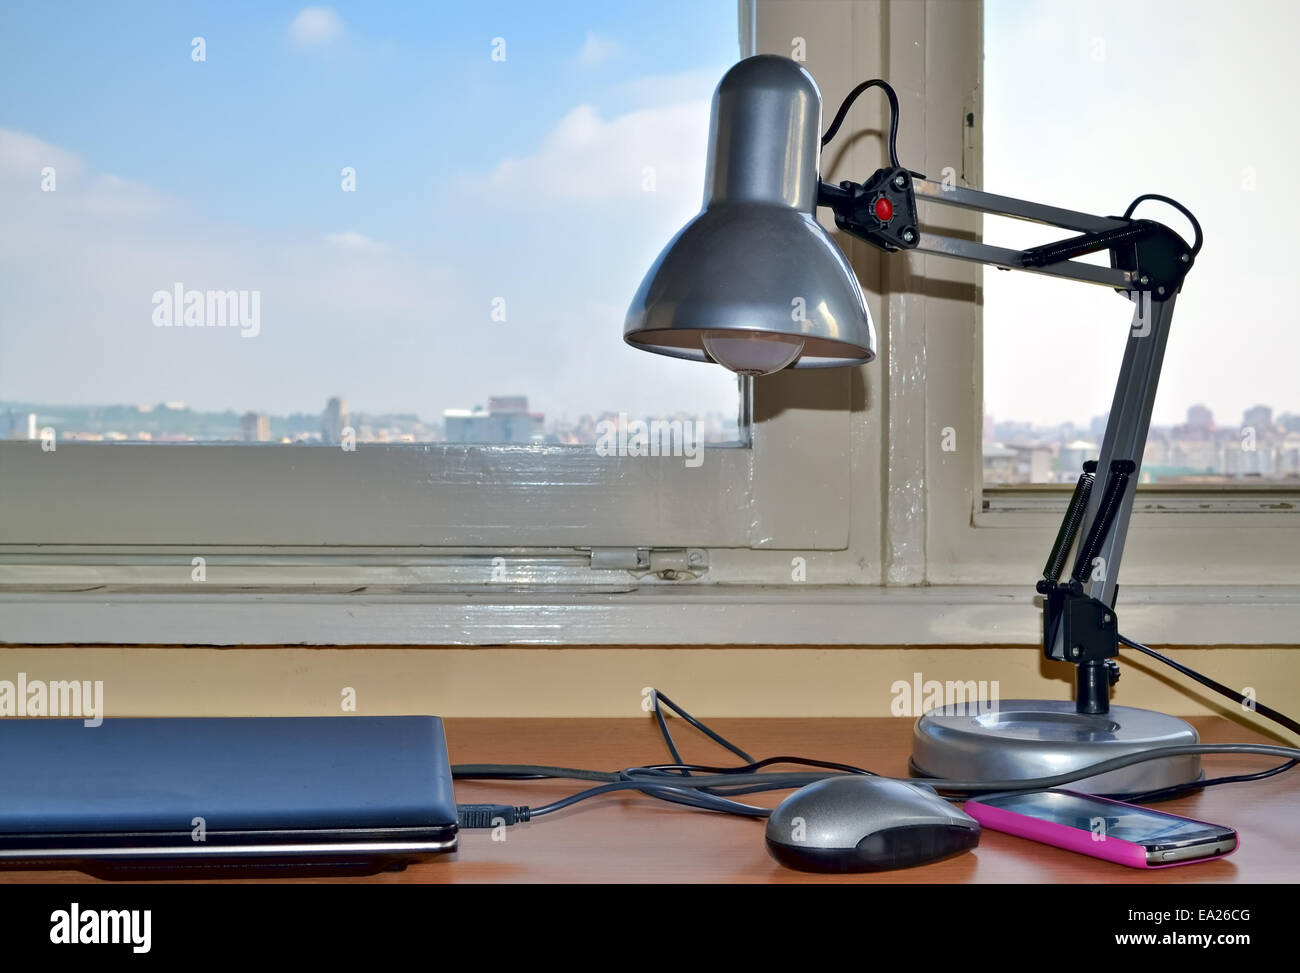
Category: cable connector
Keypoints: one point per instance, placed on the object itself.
(490, 815)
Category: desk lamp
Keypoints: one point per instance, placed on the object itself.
(753, 283)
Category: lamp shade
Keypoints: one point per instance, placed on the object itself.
(754, 282)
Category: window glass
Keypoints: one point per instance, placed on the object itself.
(399, 222)
(1088, 105)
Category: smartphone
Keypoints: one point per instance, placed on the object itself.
(1111, 830)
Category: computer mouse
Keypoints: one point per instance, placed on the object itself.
(857, 823)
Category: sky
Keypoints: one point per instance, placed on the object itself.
(523, 180)
(1090, 104)
(536, 185)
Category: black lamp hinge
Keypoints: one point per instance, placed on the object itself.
(881, 210)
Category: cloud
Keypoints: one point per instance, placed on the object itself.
(316, 27)
(597, 49)
(586, 156)
(661, 89)
(21, 152)
(79, 266)
(352, 240)
(343, 312)
(77, 192)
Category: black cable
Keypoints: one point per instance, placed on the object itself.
(677, 793)
(1196, 226)
(698, 791)
(798, 779)
(656, 698)
(737, 780)
(749, 772)
(1178, 790)
(1265, 711)
(754, 782)
(749, 768)
(526, 772)
(756, 765)
(714, 790)
(893, 115)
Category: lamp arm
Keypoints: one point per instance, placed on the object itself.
(1148, 262)
(1145, 255)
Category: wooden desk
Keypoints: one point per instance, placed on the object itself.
(631, 838)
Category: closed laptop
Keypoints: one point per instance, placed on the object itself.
(138, 794)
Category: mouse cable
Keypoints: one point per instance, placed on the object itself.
(677, 768)
(497, 815)
(695, 797)
(694, 791)
(1142, 797)
(698, 791)
(743, 779)
(776, 781)
(709, 798)
(751, 767)
(657, 701)
(657, 698)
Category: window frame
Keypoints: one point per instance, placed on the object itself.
(127, 501)
(982, 535)
(844, 516)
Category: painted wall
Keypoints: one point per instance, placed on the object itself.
(774, 682)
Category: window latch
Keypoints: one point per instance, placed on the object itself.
(667, 564)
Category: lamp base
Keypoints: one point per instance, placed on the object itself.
(1016, 739)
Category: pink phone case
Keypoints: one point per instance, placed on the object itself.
(1073, 839)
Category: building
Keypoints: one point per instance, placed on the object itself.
(18, 425)
(255, 427)
(505, 420)
(1237, 460)
(334, 420)
(1194, 454)
(1288, 457)
(1073, 455)
(1260, 418)
(1199, 417)
(1017, 464)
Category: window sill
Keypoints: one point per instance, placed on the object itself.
(1270, 505)
(650, 615)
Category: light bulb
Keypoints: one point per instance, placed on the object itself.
(752, 352)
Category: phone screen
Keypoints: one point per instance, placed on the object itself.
(1125, 822)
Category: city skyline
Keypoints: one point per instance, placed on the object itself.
(1089, 422)
(1201, 449)
(1264, 447)
(125, 422)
